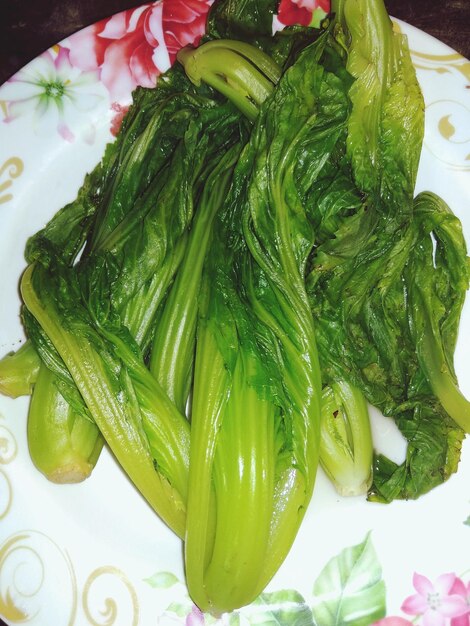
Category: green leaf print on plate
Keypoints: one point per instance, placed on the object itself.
(162, 580)
(350, 590)
(283, 608)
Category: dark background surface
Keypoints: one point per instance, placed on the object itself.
(28, 27)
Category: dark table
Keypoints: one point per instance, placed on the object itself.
(28, 27)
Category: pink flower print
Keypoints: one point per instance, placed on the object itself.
(435, 602)
(135, 46)
(184, 23)
(119, 114)
(459, 588)
(58, 97)
(128, 49)
(393, 621)
(195, 618)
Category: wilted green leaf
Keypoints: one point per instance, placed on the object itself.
(350, 591)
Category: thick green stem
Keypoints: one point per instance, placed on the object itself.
(232, 474)
(244, 477)
(63, 445)
(346, 451)
(255, 56)
(241, 72)
(211, 379)
(19, 371)
(433, 360)
(118, 421)
(172, 353)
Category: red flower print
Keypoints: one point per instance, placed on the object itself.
(300, 11)
(119, 113)
(133, 47)
(184, 23)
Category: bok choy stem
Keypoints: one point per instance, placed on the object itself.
(256, 341)
(346, 450)
(239, 71)
(117, 415)
(19, 371)
(172, 352)
(76, 441)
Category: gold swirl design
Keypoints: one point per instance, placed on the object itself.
(10, 607)
(442, 63)
(8, 452)
(30, 565)
(13, 167)
(8, 446)
(6, 495)
(447, 121)
(110, 613)
(449, 126)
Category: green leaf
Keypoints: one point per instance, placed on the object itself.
(437, 281)
(286, 607)
(385, 143)
(240, 19)
(121, 401)
(467, 521)
(386, 295)
(162, 580)
(350, 590)
(179, 609)
(256, 349)
(318, 16)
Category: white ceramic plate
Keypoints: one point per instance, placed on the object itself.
(94, 553)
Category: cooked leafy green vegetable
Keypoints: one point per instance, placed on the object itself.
(242, 73)
(257, 388)
(172, 353)
(359, 284)
(76, 441)
(119, 392)
(126, 252)
(386, 125)
(124, 274)
(106, 195)
(346, 450)
(437, 278)
(245, 269)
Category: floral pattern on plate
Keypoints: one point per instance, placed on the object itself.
(134, 47)
(106, 60)
(109, 59)
(349, 584)
(58, 96)
(349, 590)
(303, 12)
(446, 601)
